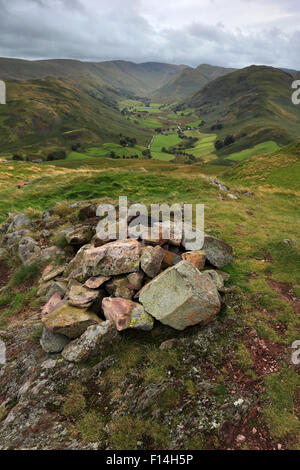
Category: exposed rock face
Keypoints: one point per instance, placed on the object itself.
(70, 321)
(126, 314)
(28, 251)
(19, 221)
(92, 343)
(151, 260)
(218, 252)
(120, 257)
(197, 258)
(80, 235)
(53, 343)
(82, 297)
(181, 296)
(11, 239)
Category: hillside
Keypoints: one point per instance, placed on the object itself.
(188, 81)
(253, 104)
(39, 113)
(127, 77)
(278, 169)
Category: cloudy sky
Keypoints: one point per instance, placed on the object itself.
(232, 33)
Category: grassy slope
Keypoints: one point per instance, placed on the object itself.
(38, 112)
(259, 258)
(254, 104)
(137, 79)
(188, 81)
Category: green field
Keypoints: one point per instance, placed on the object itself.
(166, 141)
(204, 148)
(259, 149)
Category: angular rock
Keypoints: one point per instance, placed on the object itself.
(59, 287)
(70, 321)
(82, 297)
(119, 286)
(135, 280)
(151, 260)
(19, 221)
(181, 296)
(53, 303)
(218, 252)
(218, 278)
(50, 253)
(169, 258)
(197, 258)
(171, 232)
(80, 235)
(92, 343)
(120, 257)
(96, 282)
(126, 314)
(28, 251)
(75, 266)
(53, 343)
(87, 212)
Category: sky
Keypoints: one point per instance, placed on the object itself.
(229, 33)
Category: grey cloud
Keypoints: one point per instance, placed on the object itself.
(98, 30)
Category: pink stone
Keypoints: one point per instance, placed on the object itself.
(52, 304)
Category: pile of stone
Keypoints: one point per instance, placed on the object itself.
(110, 286)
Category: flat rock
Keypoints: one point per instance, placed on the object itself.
(53, 343)
(181, 296)
(112, 259)
(70, 321)
(96, 282)
(218, 252)
(51, 272)
(126, 314)
(91, 343)
(151, 260)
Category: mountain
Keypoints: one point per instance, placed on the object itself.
(253, 104)
(124, 77)
(189, 81)
(52, 112)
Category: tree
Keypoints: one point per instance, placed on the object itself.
(229, 140)
(219, 144)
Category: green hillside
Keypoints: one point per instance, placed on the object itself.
(189, 81)
(50, 112)
(124, 77)
(254, 105)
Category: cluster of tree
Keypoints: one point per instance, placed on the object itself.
(219, 144)
(76, 147)
(56, 155)
(147, 154)
(126, 141)
(113, 155)
(216, 127)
